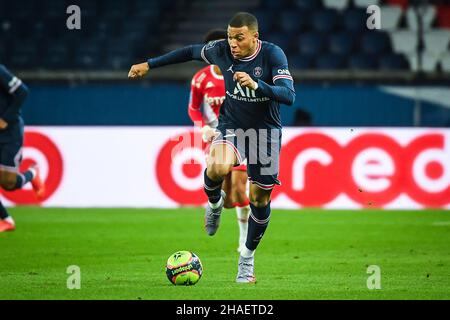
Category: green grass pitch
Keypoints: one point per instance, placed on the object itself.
(305, 254)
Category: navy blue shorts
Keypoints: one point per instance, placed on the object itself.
(11, 142)
(259, 147)
(10, 155)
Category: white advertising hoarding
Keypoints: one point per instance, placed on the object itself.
(163, 167)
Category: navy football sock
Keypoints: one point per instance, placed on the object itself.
(23, 178)
(257, 225)
(3, 213)
(212, 188)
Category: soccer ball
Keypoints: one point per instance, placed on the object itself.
(184, 268)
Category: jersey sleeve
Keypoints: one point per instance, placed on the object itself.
(8, 81)
(195, 101)
(212, 52)
(280, 70)
(18, 92)
(283, 89)
(189, 53)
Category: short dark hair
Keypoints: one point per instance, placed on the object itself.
(242, 19)
(215, 34)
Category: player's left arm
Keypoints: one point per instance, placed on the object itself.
(283, 88)
(17, 92)
(200, 52)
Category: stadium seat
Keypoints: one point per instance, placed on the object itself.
(336, 4)
(404, 41)
(145, 8)
(324, 20)
(118, 60)
(390, 17)
(292, 21)
(115, 9)
(330, 62)
(3, 10)
(19, 27)
(307, 4)
(4, 52)
(40, 29)
(362, 62)
(280, 39)
(443, 16)
(375, 42)
(53, 9)
(134, 29)
(106, 28)
(89, 8)
(265, 21)
(24, 54)
(355, 20)
(402, 3)
(272, 5)
(88, 57)
(54, 27)
(311, 43)
(445, 62)
(393, 61)
(22, 9)
(55, 56)
(437, 41)
(365, 3)
(301, 62)
(341, 43)
(428, 18)
(429, 62)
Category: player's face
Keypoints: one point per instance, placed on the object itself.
(242, 41)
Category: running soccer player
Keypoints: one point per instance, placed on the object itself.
(257, 80)
(12, 95)
(206, 97)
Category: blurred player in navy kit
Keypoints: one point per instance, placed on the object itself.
(12, 95)
(206, 98)
(257, 80)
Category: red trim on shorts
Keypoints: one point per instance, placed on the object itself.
(241, 167)
(241, 204)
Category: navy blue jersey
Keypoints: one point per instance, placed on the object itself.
(243, 107)
(12, 95)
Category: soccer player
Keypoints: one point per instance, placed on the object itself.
(12, 95)
(206, 97)
(257, 80)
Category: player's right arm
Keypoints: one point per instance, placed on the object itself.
(198, 52)
(194, 110)
(192, 52)
(195, 101)
(17, 92)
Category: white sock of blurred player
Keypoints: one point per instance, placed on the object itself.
(242, 217)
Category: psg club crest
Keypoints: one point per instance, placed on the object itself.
(257, 72)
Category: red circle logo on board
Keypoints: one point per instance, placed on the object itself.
(41, 150)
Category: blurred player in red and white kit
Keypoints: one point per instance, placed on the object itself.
(206, 98)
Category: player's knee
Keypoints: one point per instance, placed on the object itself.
(260, 200)
(8, 183)
(218, 171)
(239, 193)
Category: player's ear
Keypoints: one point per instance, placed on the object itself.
(256, 35)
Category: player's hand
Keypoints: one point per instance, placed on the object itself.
(3, 124)
(138, 70)
(208, 134)
(244, 80)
